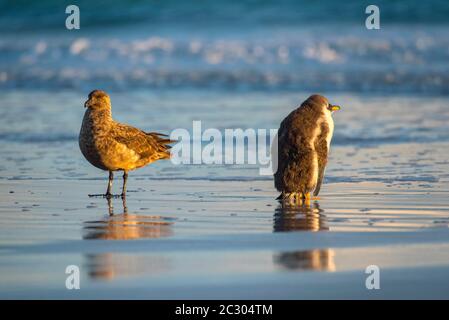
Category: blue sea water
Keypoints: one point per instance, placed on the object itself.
(226, 45)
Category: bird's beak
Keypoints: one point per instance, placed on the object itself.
(333, 107)
(86, 104)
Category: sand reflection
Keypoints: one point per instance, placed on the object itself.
(302, 217)
(110, 266)
(126, 226)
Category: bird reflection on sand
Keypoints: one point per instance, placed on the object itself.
(302, 217)
(299, 217)
(109, 266)
(314, 260)
(125, 226)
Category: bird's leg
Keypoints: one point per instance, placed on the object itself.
(307, 197)
(298, 198)
(108, 191)
(125, 178)
(291, 198)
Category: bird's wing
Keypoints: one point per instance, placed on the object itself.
(320, 179)
(321, 148)
(150, 145)
(292, 158)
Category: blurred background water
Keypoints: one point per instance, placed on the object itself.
(227, 45)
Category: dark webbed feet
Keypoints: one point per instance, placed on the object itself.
(108, 193)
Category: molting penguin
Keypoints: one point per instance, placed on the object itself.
(304, 139)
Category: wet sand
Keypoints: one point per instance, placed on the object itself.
(221, 239)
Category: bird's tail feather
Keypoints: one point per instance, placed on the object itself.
(160, 138)
(163, 144)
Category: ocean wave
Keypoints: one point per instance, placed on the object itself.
(411, 63)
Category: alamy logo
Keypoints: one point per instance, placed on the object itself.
(73, 20)
(373, 280)
(73, 280)
(373, 20)
(211, 146)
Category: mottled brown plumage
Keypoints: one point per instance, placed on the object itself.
(303, 144)
(113, 146)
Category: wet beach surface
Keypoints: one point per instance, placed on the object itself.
(215, 231)
(183, 241)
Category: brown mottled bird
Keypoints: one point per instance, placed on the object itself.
(113, 146)
(304, 139)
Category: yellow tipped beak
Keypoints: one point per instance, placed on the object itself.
(335, 108)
